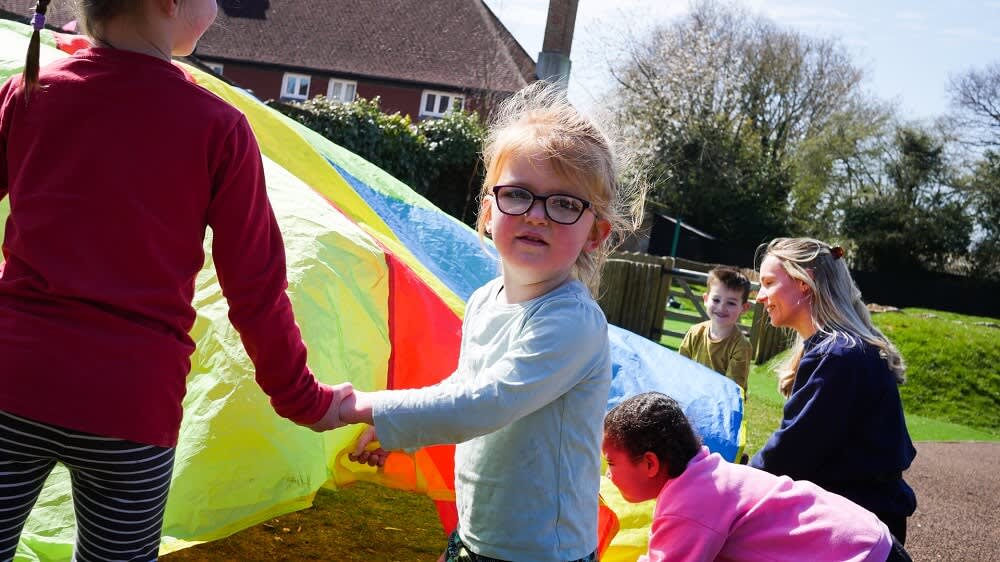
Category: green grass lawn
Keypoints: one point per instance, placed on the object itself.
(953, 365)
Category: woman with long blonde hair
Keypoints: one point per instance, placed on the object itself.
(843, 426)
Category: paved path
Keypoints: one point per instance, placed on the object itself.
(958, 502)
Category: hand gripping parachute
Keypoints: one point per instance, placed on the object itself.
(378, 278)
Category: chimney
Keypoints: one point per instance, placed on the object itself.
(553, 62)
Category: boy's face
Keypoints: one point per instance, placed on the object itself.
(631, 476)
(724, 305)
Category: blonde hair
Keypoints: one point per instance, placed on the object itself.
(836, 305)
(539, 121)
(92, 13)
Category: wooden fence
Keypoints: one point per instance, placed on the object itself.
(636, 288)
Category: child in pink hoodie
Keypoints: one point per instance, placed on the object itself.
(710, 509)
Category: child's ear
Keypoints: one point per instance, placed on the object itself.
(746, 306)
(486, 211)
(598, 234)
(704, 297)
(651, 464)
(168, 7)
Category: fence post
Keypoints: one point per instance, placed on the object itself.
(660, 302)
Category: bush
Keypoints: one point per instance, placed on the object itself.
(454, 143)
(438, 158)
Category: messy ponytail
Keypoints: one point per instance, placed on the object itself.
(34, 45)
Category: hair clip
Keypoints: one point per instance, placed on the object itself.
(38, 21)
(837, 252)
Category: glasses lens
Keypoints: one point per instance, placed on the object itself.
(564, 208)
(514, 200)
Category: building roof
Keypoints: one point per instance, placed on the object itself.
(451, 43)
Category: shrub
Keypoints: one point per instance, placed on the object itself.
(438, 158)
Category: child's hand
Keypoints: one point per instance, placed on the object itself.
(331, 419)
(357, 408)
(367, 449)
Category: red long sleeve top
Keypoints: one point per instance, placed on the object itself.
(114, 168)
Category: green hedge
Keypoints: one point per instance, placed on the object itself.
(438, 158)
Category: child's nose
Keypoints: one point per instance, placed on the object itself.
(536, 210)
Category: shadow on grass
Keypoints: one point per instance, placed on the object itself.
(362, 522)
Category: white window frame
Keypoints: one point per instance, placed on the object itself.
(216, 67)
(292, 80)
(435, 96)
(344, 85)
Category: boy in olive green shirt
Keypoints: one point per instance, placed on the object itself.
(718, 342)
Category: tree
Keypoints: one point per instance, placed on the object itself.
(975, 95)
(914, 220)
(985, 195)
(837, 165)
(716, 103)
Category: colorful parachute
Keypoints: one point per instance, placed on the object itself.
(378, 279)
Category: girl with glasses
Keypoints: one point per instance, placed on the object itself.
(526, 402)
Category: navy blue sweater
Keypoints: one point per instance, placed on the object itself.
(843, 427)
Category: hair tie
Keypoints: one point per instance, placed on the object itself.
(38, 21)
(837, 252)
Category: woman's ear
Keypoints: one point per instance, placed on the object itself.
(804, 287)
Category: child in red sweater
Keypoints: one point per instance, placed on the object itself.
(115, 164)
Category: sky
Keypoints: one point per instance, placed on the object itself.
(908, 49)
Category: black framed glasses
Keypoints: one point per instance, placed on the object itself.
(559, 207)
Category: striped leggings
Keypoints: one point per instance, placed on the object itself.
(119, 488)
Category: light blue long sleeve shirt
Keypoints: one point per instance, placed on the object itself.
(526, 406)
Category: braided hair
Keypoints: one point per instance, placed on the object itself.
(34, 45)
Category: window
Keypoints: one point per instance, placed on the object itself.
(215, 66)
(295, 87)
(436, 104)
(341, 90)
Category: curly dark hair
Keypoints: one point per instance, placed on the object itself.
(653, 422)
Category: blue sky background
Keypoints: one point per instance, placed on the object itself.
(908, 49)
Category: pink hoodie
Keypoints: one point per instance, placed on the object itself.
(720, 511)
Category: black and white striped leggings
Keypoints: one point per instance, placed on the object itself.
(119, 488)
